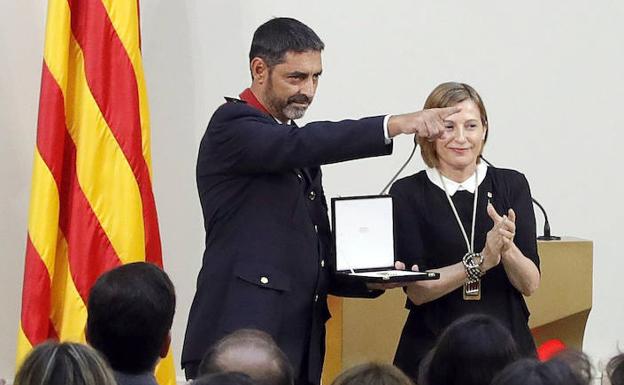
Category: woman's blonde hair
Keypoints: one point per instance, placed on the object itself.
(67, 363)
(447, 95)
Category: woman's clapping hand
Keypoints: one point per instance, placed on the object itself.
(500, 237)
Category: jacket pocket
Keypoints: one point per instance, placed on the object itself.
(263, 276)
(255, 299)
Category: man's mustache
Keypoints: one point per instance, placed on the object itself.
(300, 99)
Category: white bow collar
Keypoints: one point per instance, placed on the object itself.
(452, 186)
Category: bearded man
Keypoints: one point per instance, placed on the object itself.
(267, 264)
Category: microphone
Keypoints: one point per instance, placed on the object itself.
(547, 236)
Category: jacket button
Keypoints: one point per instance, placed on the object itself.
(264, 280)
(316, 298)
(312, 195)
(322, 263)
(300, 176)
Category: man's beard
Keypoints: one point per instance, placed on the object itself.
(292, 111)
(287, 108)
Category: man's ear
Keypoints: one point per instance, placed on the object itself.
(259, 70)
(164, 349)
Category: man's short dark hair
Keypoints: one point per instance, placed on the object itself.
(130, 312)
(273, 39)
(252, 352)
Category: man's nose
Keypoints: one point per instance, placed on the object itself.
(308, 88)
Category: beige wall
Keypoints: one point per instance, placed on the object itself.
(550, 75)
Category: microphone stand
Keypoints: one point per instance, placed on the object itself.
(547, 236)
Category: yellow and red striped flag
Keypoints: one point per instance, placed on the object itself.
(91, 205)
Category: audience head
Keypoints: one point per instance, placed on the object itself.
(130, 312)
(53, 363)
(530, 371)
(224, 378)
(448, 95)
(373, 374)
(615, 370)
(578, 362)
(469, 352)
(251, 352)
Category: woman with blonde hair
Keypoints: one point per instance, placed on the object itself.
(53, 363)
(471, 223)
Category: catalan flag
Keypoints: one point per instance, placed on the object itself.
(91, 205)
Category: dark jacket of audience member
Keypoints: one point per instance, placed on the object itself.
(53, 363)
(469, 352)
(252, 352)
(373, 374)
(130, 312)
(530, 371)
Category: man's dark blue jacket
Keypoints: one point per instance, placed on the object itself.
(268, 258)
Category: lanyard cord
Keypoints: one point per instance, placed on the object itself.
(469, 245)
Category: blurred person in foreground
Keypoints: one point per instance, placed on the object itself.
(252, 352)
(223, 378)
(615, 370)
(372, 373)
(559, 370)
(130, 312)
(471, 351)
(67, 363)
